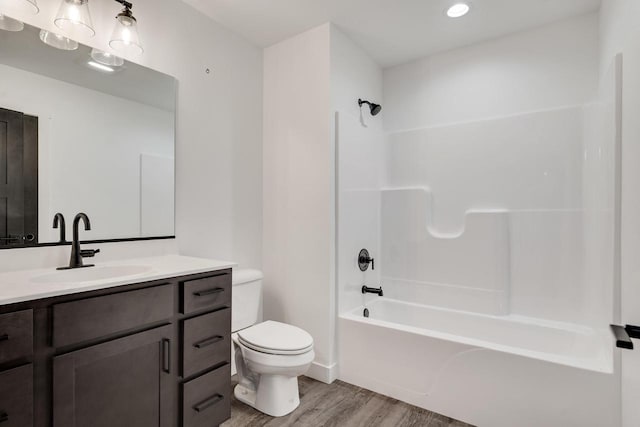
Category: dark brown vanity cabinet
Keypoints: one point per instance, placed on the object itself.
(126, 357)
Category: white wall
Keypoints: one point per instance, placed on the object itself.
(620, 33)
(219, 127)
(307, 80)
(358, 143)
(298, 218)
(354, 75)
(555, 65)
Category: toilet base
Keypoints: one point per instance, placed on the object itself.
(276, 395)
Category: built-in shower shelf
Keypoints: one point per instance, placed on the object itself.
(419, 201)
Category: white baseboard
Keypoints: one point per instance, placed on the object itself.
(323, 373)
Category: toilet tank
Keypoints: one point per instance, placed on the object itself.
(246, 298)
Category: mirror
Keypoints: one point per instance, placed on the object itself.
(80, 136)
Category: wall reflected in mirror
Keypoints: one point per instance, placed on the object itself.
(82, 133)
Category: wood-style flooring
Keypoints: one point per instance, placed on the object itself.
(340, 405)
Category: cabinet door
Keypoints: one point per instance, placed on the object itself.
(16, 397)
(124, 382)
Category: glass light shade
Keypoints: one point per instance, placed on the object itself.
(10, 24)
(74, 18)
(25, 6)
(31, 6)
(125, 36)
(106, 58)
(58, 41)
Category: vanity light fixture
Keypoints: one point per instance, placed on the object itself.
(100, 67)
(10, 24)
(74, 18)
(106, 58)
(125, 36)
(458, 10)
(57, 41)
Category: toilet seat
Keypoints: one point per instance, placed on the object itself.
(276, 338)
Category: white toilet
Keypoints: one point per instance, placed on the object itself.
(269, 356)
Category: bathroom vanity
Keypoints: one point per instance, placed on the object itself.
(137, 343)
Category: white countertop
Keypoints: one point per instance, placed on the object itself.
(23, 285)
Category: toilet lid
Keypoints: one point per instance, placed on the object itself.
(276, 338)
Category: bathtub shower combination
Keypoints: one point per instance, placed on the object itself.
(494, 244)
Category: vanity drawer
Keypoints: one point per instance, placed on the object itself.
(206, 341)
(16, 335)
(206, 293)
(206, 400)
(16, 397)
(89, 318)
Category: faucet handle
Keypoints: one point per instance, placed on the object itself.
(88, 253)
(364, 260)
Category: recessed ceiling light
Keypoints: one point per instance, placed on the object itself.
(458, 10)
(100, 67)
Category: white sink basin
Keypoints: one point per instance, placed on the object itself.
(89, 274)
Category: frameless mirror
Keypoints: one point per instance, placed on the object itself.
(82, 133)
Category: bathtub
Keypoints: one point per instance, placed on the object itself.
(494, 371)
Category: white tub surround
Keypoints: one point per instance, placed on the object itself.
(489, 205)
(27, 285)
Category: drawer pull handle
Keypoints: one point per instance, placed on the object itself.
(208, 292)
(208, 403)
(166, 355)
(208, 341)
(4, 417)
(4, 337)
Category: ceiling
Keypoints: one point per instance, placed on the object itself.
(391, 31)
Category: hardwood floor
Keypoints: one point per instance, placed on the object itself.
(341, 405)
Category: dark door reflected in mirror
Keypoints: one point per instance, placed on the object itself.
(19, 179)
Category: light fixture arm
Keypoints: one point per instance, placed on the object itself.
(125, 3)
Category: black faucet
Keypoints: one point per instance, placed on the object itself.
(367, 290)
(76, 253)
(58, 221)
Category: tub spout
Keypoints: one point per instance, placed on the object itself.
(367, 290)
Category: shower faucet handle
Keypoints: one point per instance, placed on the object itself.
(364, 260)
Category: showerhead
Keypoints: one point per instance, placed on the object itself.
(374, 108)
